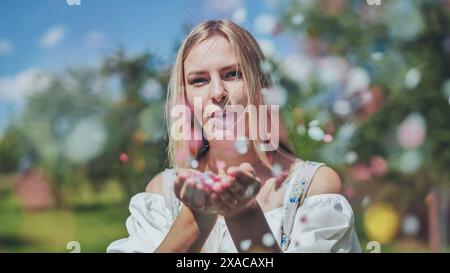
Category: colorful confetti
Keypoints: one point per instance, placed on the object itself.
(342, 108)
(249, 191)
(327, 138)
(266, 67)
(123, 157)
(297, 19)
(266, 24)
(239, 16)
(194, 164)
(412, 78)
(410, 161)
(277, 170)
(412, 131)
(358, 79)
(378, 166)
(275, 96)
(410, 225)
(366, 202)
(315, 133)
(245, 244)
(349, 193)
(207, 179)
(351, 157)
(86, 140)
(241, 146)
(268, 239)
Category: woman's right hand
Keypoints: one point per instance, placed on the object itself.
(192, 193)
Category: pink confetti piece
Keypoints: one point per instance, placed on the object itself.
(327, 138)
(123, 157)
(208, 179)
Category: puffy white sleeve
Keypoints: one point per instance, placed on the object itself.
(324, 223)
(147, 226)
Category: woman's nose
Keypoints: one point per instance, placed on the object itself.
(218, 90)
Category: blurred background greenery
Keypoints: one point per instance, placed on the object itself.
(364, 85)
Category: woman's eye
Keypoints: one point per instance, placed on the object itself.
(233, 75)
(197, 81)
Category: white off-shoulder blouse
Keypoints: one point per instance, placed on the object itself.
(318, 223)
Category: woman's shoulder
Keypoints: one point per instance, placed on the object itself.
(161, 187)
(155, 185)
(325, 181)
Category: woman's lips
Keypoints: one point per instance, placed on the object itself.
(223, 120)
(218, 114)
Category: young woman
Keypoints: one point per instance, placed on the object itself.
(261, 200)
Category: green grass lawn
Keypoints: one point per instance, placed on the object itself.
(94, 220)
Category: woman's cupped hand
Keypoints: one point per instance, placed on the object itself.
(225, 193)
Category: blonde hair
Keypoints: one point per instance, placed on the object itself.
(249, 58)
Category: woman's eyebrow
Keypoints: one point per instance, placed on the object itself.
(196, 72)
(230, 66)
(199, 72)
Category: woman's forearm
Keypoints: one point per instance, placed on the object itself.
(251, 224)
(188, 232)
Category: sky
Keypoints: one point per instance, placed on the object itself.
(51, 35)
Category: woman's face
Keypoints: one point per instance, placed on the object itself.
(212, 79)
